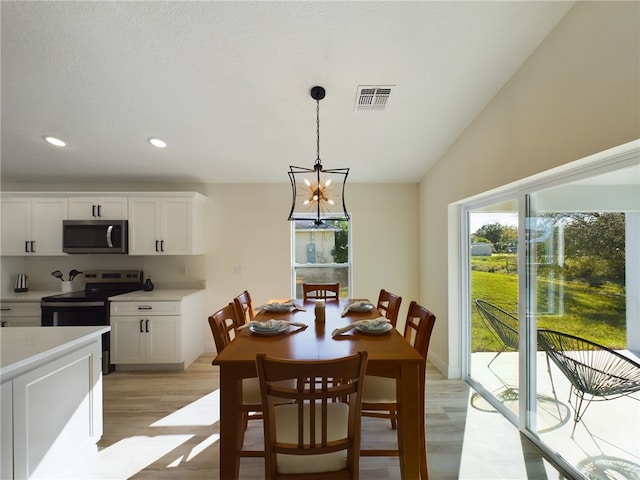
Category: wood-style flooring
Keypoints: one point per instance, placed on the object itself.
(164, 425)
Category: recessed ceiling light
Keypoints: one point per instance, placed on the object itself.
(156, 142)
(55, 141)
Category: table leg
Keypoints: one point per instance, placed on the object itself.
(424, 471)
(409, 403)
(230, 423)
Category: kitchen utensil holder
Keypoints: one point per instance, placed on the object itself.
(66, 286)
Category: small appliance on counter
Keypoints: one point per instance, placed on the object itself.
(22, 283)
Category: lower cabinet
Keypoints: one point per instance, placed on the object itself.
(20, 314)
(145, 339)
(166, 333)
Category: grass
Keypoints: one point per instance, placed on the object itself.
(597, 313)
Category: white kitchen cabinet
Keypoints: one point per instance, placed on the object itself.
(98, 208)
(145, 333)
(20, 314)
(33, 225)
(6, 433)
(162, 328)
(166, 225)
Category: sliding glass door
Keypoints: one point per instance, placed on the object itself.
(553, 332)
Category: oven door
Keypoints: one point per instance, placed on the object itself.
(79, 314)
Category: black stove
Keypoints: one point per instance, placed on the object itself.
(102, 284)
(90, 306)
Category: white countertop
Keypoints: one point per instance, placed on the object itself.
(30, 296)
(22, 348)
(157, 295)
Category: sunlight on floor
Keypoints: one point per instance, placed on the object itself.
(117, 462)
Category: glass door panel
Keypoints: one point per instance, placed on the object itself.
(493, 277)
(583, 240)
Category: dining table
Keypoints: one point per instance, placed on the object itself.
(389, 355)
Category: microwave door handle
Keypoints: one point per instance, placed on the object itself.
(109, 235)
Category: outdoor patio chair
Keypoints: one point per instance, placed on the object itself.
(594, 370)
(502, 325)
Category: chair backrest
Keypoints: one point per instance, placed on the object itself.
(590, 367)
(325, 291)
(328, 439)
(418, 327)
(389, 305)
(502, 323)
(222, 323)
(244, 308)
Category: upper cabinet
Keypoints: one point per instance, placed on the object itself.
(33, 225)
(167, 225)
(98, 208)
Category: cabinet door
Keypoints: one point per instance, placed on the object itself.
(176, 226)
(112, 208)
(16, 225)
(47, 215)
(6, 433)
(127, 340)
(82, 208)
(143, 226)
(163, 339)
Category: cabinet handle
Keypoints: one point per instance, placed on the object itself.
(93, 210)
(147, 325)
(141, 330)
(145, 307)
(99, 212)
(157, 246)
(26, 246)
(162, 245)
(33, 246)
(3, 324)
(5, 309)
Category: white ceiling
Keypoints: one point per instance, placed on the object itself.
(227, 84)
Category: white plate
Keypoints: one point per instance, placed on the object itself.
(283, 327)
(365, 307)
(374, 331)
(277, 307)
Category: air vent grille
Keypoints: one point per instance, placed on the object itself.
(372, 97)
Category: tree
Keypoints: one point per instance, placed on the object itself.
(340, 251)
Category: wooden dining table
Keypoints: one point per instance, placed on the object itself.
(390, 355)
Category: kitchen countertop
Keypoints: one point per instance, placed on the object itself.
(23, 348)
(157, 295)
(30, 296)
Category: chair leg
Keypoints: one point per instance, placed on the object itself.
(393, 417)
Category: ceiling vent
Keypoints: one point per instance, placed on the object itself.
(372, 97)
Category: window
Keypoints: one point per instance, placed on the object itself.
(321, 254)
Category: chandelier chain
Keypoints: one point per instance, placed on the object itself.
(318, 130)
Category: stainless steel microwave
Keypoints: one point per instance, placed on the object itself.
(95, 236)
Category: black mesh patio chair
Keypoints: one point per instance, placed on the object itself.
(596, 372)
(502, 325)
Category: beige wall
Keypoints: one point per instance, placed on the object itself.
(578, 94)
(250, 240)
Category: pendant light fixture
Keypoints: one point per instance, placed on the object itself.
(318, 193)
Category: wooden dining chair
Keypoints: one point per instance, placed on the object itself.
(244, 308)
(379, 393)
(314, 437)
(223, 325)
(389, 305)
(322, 291)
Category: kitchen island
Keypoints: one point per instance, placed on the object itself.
(51, 398)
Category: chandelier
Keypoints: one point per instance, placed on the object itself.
(318, 193)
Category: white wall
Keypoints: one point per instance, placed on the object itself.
(578, 94)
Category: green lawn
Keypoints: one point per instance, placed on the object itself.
(596, 313)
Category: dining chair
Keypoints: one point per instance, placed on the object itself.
(389, 305)
(223, 324)
(379, 393)
(324, 291)
(244, 308)
(314, 437)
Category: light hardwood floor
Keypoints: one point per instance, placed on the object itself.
(164, 425)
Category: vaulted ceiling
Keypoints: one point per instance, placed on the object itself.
(226, 85)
